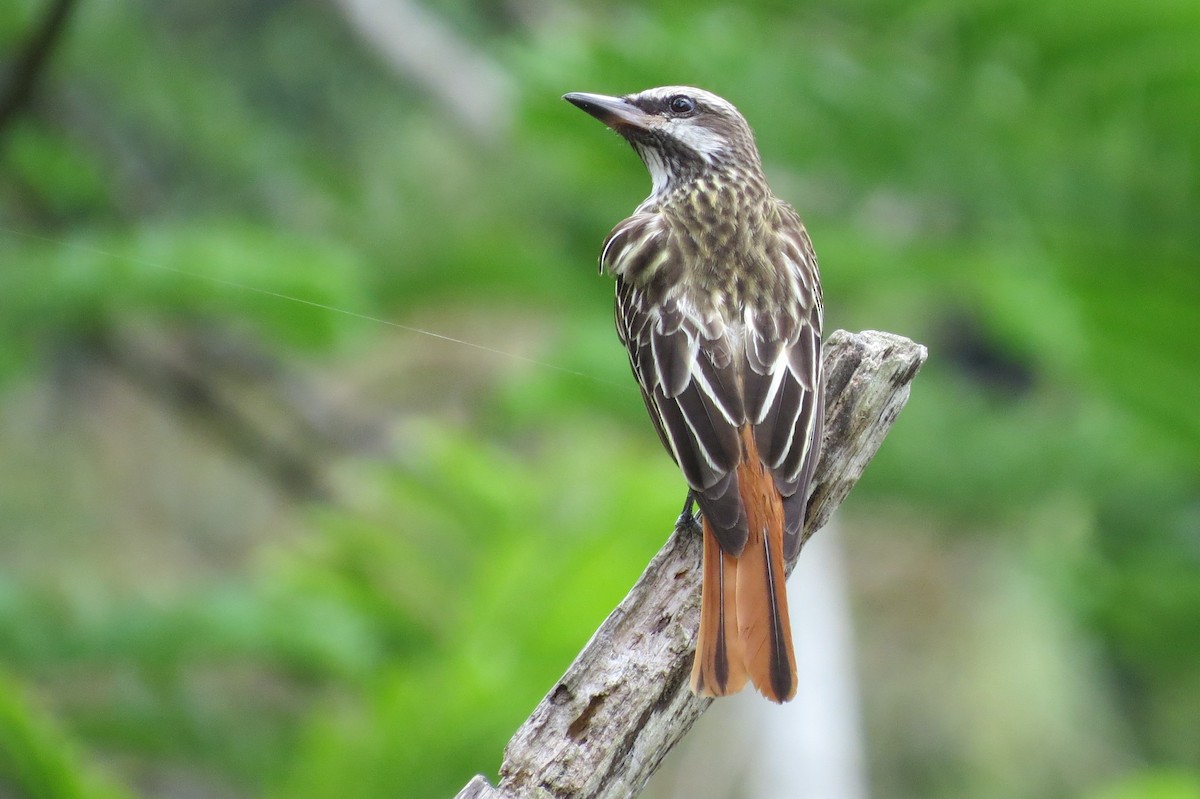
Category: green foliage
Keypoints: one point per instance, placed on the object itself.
(37, 761)
(496, 616)
(443, 586)
(1155, 784)
(201, 270)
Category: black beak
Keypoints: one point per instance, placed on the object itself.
(615, 112)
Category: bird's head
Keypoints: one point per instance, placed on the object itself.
(680, 132)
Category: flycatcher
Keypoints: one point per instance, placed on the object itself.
(719, 306)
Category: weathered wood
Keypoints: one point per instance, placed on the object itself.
(478, 788)
(607, 724)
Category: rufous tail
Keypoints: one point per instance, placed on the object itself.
(719, 667)
(744, 628)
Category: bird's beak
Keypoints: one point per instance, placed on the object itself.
(615, 112)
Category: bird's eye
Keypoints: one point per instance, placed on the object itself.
(682, 105)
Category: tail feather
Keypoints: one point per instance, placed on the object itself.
(762, 614)
(718, 668)
(744, 626)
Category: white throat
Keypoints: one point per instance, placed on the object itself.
(660, 176)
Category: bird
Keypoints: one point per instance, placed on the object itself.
(719, 305)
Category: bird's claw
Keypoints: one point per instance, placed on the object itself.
(689, 519)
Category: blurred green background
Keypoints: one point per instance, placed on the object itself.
(256, 547)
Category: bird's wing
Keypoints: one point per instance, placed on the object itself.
(688, 376)
(784, 348)
(789, 422)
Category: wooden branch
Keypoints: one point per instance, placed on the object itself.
(607, 724)
(479, 788)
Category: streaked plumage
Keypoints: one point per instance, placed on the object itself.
(719, 306)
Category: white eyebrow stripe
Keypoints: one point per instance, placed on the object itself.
(704, 97)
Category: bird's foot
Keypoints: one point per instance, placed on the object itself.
(689, 520)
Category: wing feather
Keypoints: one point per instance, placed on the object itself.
(705, 372)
